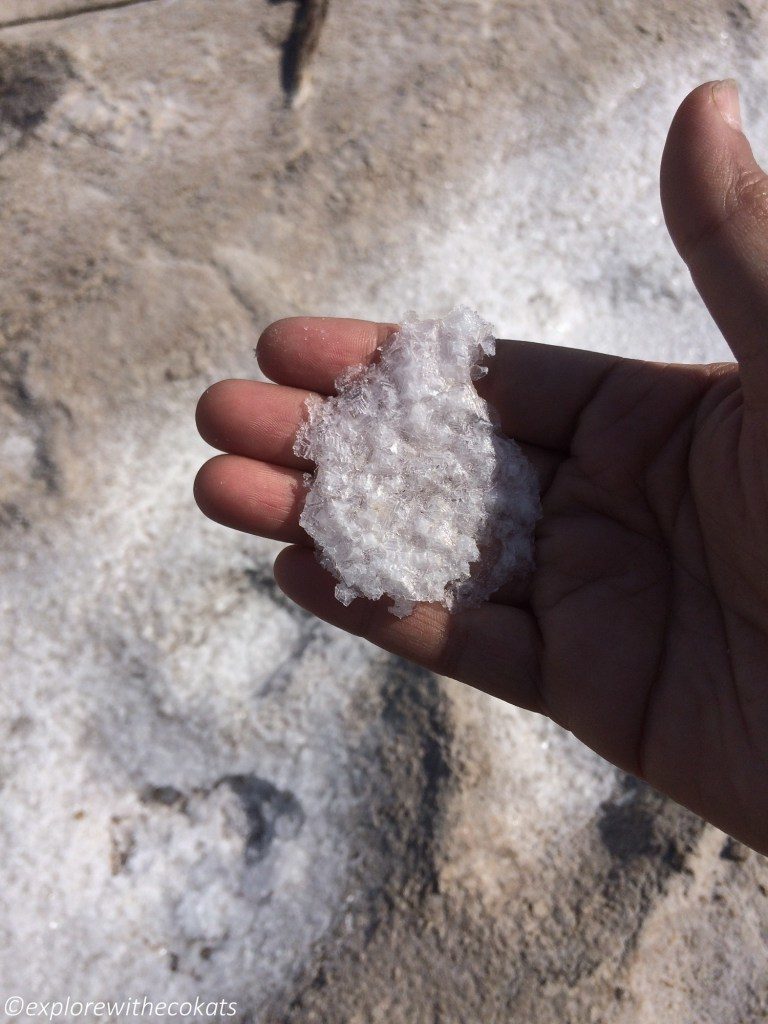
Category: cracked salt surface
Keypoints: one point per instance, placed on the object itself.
(416, 493)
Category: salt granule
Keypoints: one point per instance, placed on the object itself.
(416, 493)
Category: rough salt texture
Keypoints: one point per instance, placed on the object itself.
(204, 791)
(416, 493)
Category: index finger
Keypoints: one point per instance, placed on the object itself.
(539, 391)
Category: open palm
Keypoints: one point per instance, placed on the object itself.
(644, 628)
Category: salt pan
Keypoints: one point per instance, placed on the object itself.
(416, 493)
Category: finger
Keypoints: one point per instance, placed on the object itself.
(254, 497)
(537, 390)
(715, 200)
(253, 419)
(311, 352)
(260, 421)
(494, 648)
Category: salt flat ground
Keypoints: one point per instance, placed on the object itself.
(204, 792)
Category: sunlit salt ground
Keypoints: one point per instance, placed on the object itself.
(192, 791)
(560, 238)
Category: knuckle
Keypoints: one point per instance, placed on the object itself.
(742, 206)
(748, 195)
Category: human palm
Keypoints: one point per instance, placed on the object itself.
(644, 628)
(651, 557)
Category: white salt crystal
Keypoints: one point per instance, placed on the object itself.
(416, 493)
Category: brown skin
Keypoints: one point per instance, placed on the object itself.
(644, 629)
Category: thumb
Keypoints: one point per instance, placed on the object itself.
(715, 201)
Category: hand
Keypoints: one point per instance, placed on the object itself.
(644, 629)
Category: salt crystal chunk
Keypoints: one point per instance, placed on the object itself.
(416, 493)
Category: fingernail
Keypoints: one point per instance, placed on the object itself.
(726, 97)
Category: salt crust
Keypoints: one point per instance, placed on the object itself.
(416, 493)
